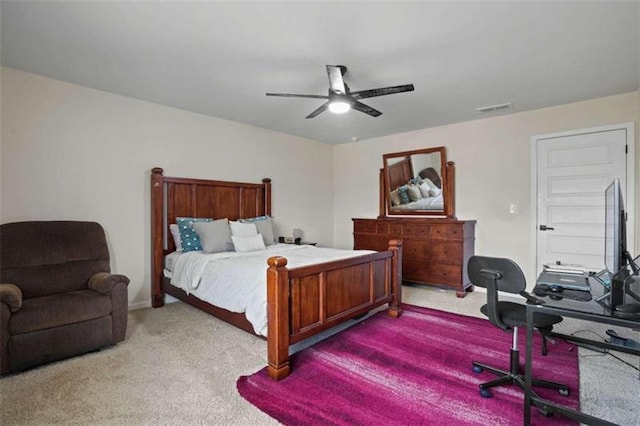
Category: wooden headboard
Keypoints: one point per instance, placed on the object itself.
(400, 173)
(173, 197)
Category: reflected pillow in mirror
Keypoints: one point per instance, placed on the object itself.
(424, 190)
(435, 192)
(394, 197)
(430, 183)
(414, 192)
(403, 192)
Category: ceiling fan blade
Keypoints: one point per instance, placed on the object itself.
(291, 95)
(363, 94)
(359, 106)
(336, 83)
(321, 109)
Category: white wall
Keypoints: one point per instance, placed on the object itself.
(493, 170)
(70, 152)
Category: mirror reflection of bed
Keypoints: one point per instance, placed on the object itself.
(417, 182)
(421, 190)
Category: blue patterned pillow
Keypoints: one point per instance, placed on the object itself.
(403, 192)
(188, 236)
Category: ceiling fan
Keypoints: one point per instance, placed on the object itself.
(340, 99)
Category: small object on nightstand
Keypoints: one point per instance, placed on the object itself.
(281, 239)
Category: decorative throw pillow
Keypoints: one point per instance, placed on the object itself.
(394, 197)
(430, 183)
(403, 192)
(240, 229)
(188, 237)
(424, 189)
(414, 192)
(250, 243)
(175, 233)
(264, 225)
(435, 192)
(214, 236)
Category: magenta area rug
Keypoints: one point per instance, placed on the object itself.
(409, 371)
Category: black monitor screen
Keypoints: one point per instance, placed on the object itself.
(614, 233)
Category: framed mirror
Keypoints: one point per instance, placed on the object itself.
(417, 182)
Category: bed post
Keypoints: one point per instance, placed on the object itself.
(157, 237)
(278, 318)
(267, 196)
(451, 197)
(395, 306)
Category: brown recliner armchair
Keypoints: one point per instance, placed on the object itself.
(57, 297)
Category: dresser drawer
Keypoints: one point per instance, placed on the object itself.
(432, 273)
(446, 251)
(446, 232)
(441, 273)
(365, 226)
(370, 242)
(418, 230)
(395, 230)
(415, 249)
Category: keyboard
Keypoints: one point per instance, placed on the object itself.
(565, 281)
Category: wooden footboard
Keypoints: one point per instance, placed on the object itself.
(305, 301)
(301, 301)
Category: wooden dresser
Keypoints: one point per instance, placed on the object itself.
(434, 251)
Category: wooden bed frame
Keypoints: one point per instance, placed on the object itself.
(301, 302)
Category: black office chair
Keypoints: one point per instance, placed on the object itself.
(504, 275)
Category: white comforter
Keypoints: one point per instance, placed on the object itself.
(237, 281)
(428, 203)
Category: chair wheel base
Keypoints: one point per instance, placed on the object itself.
(485, 393)
(477, 369)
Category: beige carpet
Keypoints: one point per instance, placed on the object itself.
(179, 366)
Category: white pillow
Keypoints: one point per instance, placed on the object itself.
(240, 229)
(434, 192)
(264, 224)
(251, 243)
(430, 183)
(424, 189)
(175, 233)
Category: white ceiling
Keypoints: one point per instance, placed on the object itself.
(219, 58)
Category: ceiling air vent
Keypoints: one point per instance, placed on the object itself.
(496, 107)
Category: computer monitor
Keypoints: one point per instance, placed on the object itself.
(617, 259)
(615, 239)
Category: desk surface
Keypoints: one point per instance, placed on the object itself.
(585, 310)
(591, 306)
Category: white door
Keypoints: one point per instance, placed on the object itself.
(573, 170)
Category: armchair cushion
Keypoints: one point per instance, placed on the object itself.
(103, 282)
(61, 309)
(11, 295)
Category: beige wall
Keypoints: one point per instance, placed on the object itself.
(493, 170)
(69, 152)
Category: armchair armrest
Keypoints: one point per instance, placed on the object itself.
(103, 282)
(11, 295)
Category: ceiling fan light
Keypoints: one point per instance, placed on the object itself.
(339, 107)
